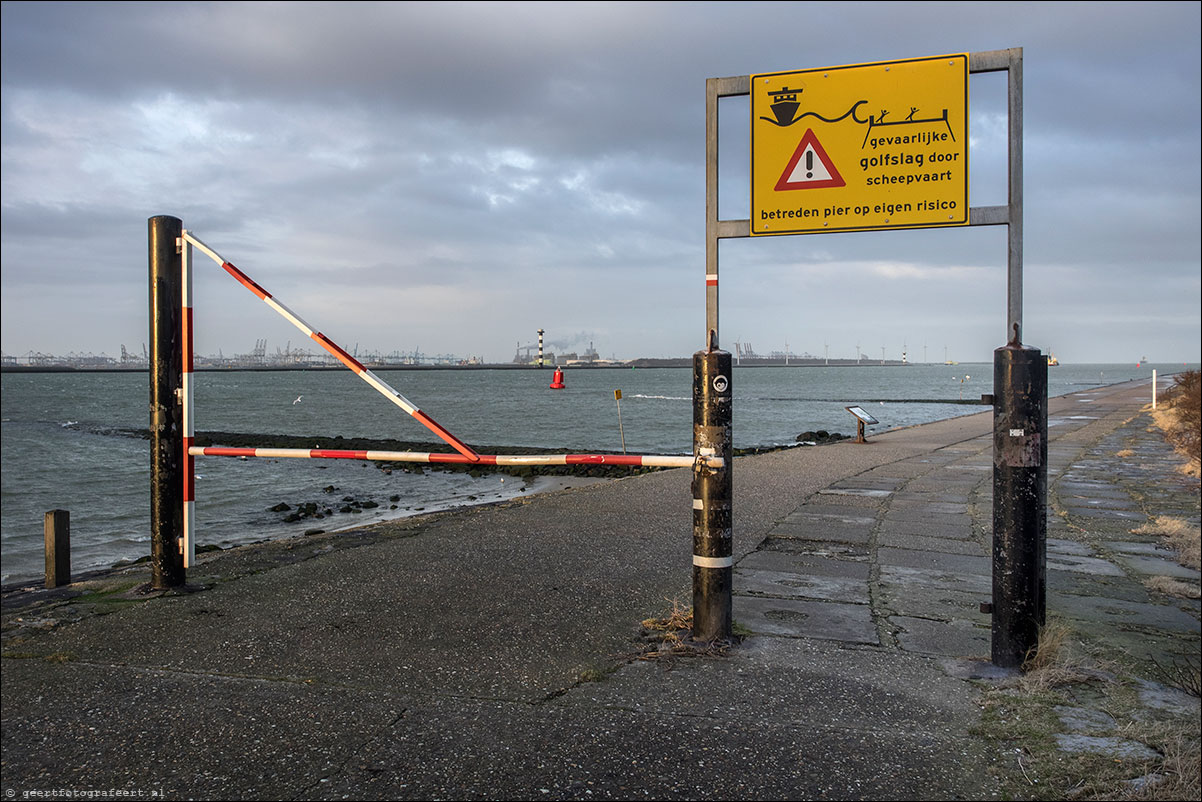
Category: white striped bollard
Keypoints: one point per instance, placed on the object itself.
(712, 545)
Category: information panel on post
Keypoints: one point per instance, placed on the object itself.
(860, 147)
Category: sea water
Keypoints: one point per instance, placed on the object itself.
(71, 440)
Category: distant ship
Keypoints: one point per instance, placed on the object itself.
(1052, 360)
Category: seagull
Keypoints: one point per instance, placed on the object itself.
(297, 401)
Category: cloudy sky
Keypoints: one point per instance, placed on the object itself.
(452, 177)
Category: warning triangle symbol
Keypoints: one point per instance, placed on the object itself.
(810, 167)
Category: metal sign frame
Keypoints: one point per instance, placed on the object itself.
(1021, 588)
(1010, 215)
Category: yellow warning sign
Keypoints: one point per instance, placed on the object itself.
(860, 147)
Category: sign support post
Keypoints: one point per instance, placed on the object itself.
(713, 409)
(1020, 431)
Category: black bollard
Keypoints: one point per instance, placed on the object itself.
(166, 407)
(1020, 490)
(712, 545)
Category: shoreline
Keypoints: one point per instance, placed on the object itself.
(536, 480)
(530, 487)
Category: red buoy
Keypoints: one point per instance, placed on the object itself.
(557, 380)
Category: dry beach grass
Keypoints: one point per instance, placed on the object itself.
(1179, 416)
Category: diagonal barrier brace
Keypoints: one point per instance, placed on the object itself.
(338, 353)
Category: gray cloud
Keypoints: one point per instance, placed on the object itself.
(480, 170)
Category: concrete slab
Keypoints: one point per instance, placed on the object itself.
(941, 603)
(1111, 747)
(856, 491)
(828, 512)
(935, 561)
(1157, 566)
(1099, 514)
(829, 561)
(797, 618)
(920, 529)
(1112, 587)
(751, 582)
(978, 585)
(823, 529)
(1124, 614)
(904, 507)
(1071, 503)
(874, 480)
(934, 493)
(946, 545)
(1083, 565)
(951, 485)
(1085, 720)
(1085, 489)
(1069, 547)
(1142, 548)
(954, 638)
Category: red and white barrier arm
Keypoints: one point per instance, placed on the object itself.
(338, 352)
(502, 460)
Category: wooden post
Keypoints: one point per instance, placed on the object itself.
(57, 533)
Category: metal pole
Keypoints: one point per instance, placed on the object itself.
(712, 93)
(167, 452)
(712, 491)
(1020, 485)
(1014, 271)
(621, 431)
(56, 532)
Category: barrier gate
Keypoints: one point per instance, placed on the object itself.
(173, 486)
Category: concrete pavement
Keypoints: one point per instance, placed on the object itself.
(494, 652)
